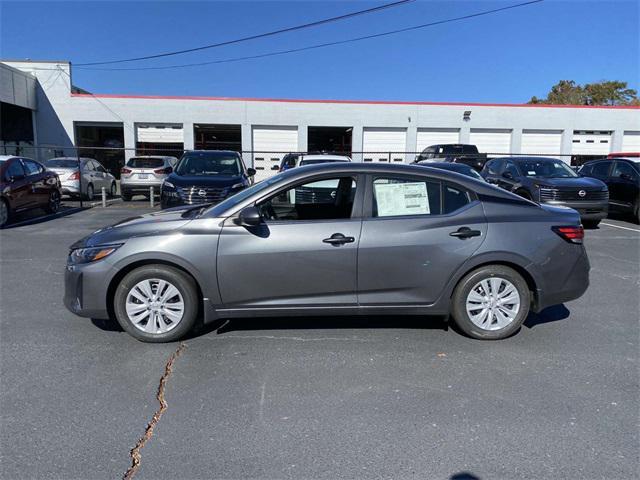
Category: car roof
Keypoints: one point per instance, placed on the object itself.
(152, 156)
(445, 165)
(529, 159)
(7, 157)
(212, 151)
(335, 158)
(628, 159)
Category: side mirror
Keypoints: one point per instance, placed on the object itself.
(249, 217)
(251, 172)
(507, 175)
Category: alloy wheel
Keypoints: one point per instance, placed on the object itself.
(154, 306)
(493, 303)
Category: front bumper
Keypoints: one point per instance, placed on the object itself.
(85, 288)
(591, 210)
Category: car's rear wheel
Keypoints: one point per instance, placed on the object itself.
(5, 212)
(156, 303)
(54, 202)
(491, 302)
(89, 194)
(126, 196)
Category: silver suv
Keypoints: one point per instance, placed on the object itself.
(141, 173)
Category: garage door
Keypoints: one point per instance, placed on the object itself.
(270, 144)
(543, 142)
(378, 143)
(159, 133)
(491, 141)
(591, 142)
(631, 142)
(435, 136)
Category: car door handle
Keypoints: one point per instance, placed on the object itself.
(338, 239)
(465, 232)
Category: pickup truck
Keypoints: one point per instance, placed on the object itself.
(454, 152)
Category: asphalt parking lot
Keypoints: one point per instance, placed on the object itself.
(326, 398)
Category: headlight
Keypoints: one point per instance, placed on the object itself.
(91, 254)
(166, 184)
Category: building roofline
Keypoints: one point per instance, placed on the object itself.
(357, 102)
(28, 60)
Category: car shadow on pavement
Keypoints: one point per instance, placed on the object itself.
(34, 217)
(464, 476)
(550, 314)
(107, 324)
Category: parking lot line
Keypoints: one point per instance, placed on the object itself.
(619, 226)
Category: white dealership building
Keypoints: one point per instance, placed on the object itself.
(41, 108)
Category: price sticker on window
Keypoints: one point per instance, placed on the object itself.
(394, 199)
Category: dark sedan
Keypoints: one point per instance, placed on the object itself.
(24, 185)
(389, 239)
(205, 176)
(550, 181)
(622, 176)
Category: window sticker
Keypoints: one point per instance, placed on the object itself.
(395, 199)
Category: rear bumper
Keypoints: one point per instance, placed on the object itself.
(140, 187)
(588, 210)
(574, 286)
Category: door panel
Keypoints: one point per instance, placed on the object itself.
(281, 264)
(623, 185)
(408, 260)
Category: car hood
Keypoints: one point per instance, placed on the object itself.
(219, 181)
(142, 225)
(581, 182)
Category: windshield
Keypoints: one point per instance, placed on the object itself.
(137, 162)
(209, 163)
(546, 169)
(232, 201)
(61, 163)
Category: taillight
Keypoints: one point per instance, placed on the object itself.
(125, 170)
(571, 234)
(163, 170)
(74, 176)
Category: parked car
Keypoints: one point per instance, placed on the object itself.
(392, 239)
(93, 175)
(205, 176)
(550, 181)
(454, 167)
(454, 152)
(624, 155)
(26, 184)
(143, 172)
(292, 160)
(622, 177)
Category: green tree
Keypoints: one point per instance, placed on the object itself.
(606, 92)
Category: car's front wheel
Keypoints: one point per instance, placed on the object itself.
(156, 303)
(5, 212)
(491, 303)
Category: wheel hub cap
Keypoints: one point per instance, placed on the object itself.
(154, 306)
(493, 303)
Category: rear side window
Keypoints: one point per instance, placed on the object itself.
(454, 198)
(398, 196)
(623, 170)
(14, 170)
(586, 170)
(145, 162)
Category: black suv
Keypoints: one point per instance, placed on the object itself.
(622, 176)
(454, 152)
(550, 181)
(205, 176)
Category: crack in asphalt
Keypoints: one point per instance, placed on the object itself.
(136, 457)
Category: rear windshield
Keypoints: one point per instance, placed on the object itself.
(136, 162)
(61, 163)
(209, 163)
(458, 149)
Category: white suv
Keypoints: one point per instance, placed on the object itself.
(142, 172)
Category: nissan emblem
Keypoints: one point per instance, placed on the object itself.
(582, 193)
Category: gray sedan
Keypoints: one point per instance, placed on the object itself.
(341, 238)
(93, 175)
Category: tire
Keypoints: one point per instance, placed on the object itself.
(590, 223)
(186, 290)
(5, 212)
(492, 330)
(636, 211)
(113, 191)
(54, 202)
(90, 193)
(126, 197)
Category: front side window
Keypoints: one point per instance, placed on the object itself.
(601, 169)
(454, 198)
(394, 197)
(32, 168)
(319, 200)
(14, 170)
(494, 167)
(209, 163)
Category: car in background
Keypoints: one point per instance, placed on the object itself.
(624, 155)
(205, 176)
(455, 153)
(140, 173)
(93, 175)
(550, 181)
(24, 185)
(622, 177)
(454, 167)
(292, 160)
(393, 240)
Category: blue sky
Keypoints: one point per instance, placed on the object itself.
(505, 57)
